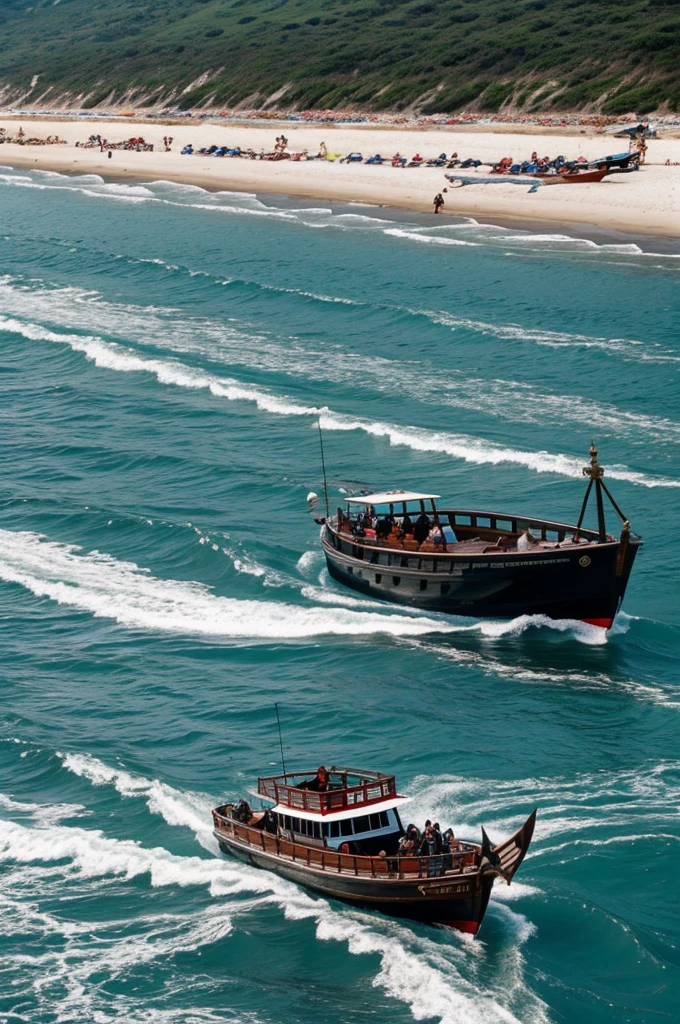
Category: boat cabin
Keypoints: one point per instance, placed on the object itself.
(339, 809)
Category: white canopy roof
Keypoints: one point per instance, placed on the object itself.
(390, 498)
(347, 812)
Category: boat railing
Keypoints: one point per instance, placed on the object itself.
(334, 862)
(337, 797)
(470, 523)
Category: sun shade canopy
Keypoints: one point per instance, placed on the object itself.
(390, 498)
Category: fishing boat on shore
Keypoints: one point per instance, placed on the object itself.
(401, 546)
(339, 833)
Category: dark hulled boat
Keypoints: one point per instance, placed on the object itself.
(343, 840)
(482, 564)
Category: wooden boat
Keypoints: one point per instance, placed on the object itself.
(572, 177)
(338, 833)
(482, 564)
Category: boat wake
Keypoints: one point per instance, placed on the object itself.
(98, 584)
(435, 979)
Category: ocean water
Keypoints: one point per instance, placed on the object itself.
(165, 356)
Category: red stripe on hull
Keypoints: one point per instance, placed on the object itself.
(603, 623)
(471, 927)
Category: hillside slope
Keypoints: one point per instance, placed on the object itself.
(616, 55)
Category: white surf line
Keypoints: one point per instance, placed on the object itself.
(109, 355)
(499, 398)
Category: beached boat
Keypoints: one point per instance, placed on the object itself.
(339, 833)
(572, 177)
(401, 546)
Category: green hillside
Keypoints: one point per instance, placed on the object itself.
(442, 55)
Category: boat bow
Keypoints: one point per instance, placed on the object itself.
(505, 858)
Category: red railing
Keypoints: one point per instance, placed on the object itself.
(337, 798)
(347, 863)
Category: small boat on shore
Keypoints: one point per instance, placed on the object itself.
(400, 546)
(338, 832)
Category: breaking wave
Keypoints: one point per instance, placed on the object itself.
(112, 356)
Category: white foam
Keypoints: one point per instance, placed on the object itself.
(413, 236)
(619, 347)
(481, 452)
(112, 356)
(104, 587)
(419, 972)
(191, 810)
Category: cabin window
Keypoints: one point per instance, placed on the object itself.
(324, 829)
(404, 562)
(463, 521)
(346, 827)
(444, 587)
(378, 577)
(396, 580)
(362, 824)
(316, 829)
(384, 820)
(335, 829)
(287, 820)
(375, 822)
(423, 584)
(296, 824)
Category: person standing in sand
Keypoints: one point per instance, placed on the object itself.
(438, 202)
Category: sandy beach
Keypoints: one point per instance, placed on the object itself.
(647, 202)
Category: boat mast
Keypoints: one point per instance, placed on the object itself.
(323, 466)
(595, 473)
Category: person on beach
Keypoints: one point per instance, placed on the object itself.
(642, 148)
(438, 202)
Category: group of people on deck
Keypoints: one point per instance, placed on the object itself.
(388, 528)
(431, 842)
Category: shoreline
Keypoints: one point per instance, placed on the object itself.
(644, 204)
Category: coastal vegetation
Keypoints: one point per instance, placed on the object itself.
(610, 55)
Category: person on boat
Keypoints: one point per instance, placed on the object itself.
(449, 847)
(526, 541)
(436, 535)
(406, 845)
(366, 520)
(383, 526)
(406, 526)
(437, 837)
(428, 846)
(422, 528)
(243, 812)
(320, 782)
(269, 823)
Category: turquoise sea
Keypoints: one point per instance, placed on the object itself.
(165, 355)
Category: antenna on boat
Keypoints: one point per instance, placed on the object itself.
(323, 466)
(278, 722)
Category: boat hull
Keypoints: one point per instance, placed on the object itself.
(585, 583)
(459, 902)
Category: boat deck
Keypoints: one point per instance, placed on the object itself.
(454, 865)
